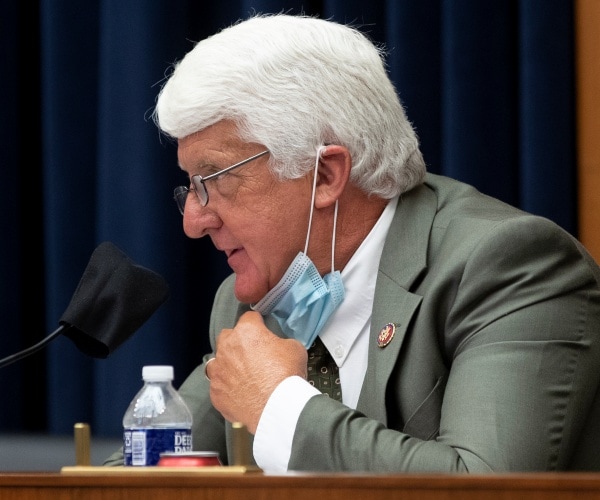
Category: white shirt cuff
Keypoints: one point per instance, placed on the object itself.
(275, 431)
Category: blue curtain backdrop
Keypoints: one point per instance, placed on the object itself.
(488, 85)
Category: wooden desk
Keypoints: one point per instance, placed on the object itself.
(188, 486)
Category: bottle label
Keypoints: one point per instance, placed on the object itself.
(142, 447)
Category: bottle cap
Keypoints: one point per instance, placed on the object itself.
(157, 373)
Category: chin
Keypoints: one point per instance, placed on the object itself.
(247, 295)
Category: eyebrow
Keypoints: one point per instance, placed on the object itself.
(202, 168)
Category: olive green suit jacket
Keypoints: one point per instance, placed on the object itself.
(495, 363)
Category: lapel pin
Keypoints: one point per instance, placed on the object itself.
(386, 334)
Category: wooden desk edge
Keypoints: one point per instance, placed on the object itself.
(240, 476)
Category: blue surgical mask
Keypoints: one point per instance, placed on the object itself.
(303, 301)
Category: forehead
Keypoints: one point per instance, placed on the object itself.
(224, 132)
(218, 143)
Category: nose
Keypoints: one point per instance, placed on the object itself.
(198, 220)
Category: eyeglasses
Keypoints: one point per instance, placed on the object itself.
(198, 184)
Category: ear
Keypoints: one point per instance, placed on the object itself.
(335, 164)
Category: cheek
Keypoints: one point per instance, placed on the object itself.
(274, 230)
(281, 247)
(270, 246)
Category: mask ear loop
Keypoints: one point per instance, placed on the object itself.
(312, 206)
(312, 200)
(333, 236)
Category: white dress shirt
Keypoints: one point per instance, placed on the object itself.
(346, 336)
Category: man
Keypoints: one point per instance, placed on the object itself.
(465, 331)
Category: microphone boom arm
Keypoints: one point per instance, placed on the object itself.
(34, 348)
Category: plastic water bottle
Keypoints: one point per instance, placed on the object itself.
(157, 420)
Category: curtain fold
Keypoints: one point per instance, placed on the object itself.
(547, 111)
(479, 97)
(488, 86)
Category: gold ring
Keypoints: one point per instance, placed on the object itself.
(206, 366)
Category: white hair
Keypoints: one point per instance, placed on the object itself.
(292, 84)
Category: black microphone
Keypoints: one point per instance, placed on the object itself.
(114, 298)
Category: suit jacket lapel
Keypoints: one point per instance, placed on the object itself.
(403, 260)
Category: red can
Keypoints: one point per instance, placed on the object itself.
(189, 459)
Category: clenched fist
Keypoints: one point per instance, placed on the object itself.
(249, 363)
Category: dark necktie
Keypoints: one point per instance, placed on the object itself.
(323, 373)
